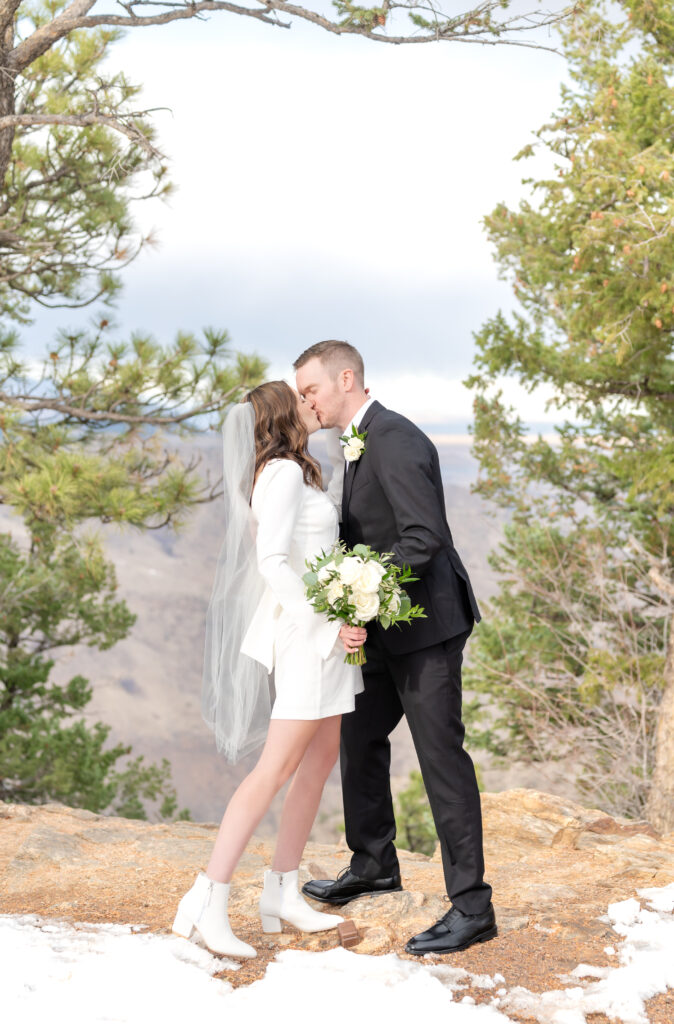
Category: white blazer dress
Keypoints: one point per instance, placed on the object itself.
(295, 522)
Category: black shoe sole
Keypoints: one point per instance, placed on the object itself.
(339, 901)
(484, 937)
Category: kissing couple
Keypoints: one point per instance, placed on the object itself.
(386, 492)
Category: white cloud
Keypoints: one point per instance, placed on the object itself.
(329, 187)
(383, 158)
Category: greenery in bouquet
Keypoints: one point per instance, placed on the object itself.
(359, 586)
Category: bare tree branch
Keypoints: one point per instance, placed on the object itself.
(472, 26)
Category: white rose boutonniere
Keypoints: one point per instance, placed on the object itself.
(354, 445)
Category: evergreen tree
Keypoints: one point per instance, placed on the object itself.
(64, 596)
(86, 437)
(580, 637)
(86, 442)
(66, 228)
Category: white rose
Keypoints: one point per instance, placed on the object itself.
(335, 591)
(394, 603)
(325, 570)
(370, 577)
(351, 451)
(367, 605)
(349, 569)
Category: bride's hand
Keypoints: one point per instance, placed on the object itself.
(352, 637)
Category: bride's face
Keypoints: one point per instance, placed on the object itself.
(308, 415)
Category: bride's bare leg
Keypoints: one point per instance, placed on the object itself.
(304, 794)
(284, 748)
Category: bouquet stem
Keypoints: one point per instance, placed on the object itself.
(357, 658)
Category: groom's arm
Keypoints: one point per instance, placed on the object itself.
(403, 465)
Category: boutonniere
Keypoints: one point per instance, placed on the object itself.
(354, 445)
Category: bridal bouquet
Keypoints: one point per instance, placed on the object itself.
(358, 586)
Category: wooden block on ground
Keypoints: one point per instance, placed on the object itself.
(348, 934)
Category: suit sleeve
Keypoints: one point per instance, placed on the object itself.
(335, 455)
(277, 500)
(403, 466)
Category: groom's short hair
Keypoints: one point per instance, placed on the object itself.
(335, 356)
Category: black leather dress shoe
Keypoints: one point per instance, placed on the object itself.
(454, 932)
(348, 886)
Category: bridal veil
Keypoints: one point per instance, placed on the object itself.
(235, 692)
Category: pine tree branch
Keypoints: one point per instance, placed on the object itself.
(7, 11)
(106, 416)
(118, 124)
(471, 26)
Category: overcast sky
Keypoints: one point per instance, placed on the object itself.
(332, 187)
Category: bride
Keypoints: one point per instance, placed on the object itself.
(277, 516)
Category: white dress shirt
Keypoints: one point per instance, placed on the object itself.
(335, 453)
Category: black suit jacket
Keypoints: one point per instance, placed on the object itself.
(394, 501)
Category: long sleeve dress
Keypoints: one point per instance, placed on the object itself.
(295, 522)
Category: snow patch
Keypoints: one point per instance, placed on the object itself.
(646, 969)
(100, 974)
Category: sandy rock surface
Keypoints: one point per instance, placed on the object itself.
(554, 866)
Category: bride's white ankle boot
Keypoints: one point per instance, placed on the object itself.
(281, 900)
(204, 909)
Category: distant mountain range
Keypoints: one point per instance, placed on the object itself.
(148, 687)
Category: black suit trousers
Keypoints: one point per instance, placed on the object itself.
(425, 686)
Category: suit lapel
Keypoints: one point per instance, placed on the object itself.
(349, 475)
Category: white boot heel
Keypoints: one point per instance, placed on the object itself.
(270, 924)
(204, 910)
(182, 925)
(282, 901)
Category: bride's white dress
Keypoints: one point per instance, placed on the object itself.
(295, 522)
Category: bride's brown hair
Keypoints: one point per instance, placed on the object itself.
(279, 430)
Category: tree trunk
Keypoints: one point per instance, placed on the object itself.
(7, 100)
(660, 805)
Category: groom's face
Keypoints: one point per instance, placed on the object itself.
(321, 392)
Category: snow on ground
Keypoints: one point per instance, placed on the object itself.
(100, 974)
(646, 967)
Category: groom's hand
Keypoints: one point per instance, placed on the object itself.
(352, 637)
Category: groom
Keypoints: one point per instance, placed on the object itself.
(393, 500)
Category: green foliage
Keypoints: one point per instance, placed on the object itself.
(570, 660)
(54, 597)
(82, 438)
(593, 269)
(66, 227)
(572, 649)
(414, 820)
(85, 442)
(369, 18)
(139, 783)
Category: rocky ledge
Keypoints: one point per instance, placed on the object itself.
(554, 866)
